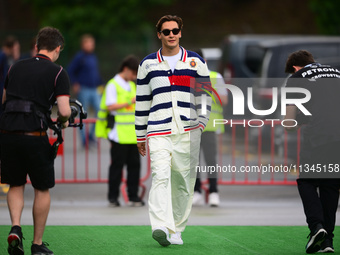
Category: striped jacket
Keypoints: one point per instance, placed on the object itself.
(164, 96)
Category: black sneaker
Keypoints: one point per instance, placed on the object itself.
(136, 202)
(14, 240)
(316, 239)
(41, 249)
(114, 203)
(327, 246)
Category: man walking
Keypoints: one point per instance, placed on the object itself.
(171, 112)
(31, 88)
(319, 179)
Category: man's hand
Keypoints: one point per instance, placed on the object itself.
(64, 125)
(141, 148)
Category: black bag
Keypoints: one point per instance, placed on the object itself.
(110, 121)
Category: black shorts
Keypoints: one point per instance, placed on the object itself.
(23, 155)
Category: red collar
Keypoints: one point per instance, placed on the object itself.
(183, 55)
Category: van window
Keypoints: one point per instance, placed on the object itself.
(321, 51)
(253, 57)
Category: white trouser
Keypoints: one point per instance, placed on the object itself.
(173, 162)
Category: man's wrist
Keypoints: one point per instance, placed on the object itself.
(62, 119)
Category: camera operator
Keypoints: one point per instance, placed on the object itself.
(31, 88)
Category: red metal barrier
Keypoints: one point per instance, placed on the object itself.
(270, 157)
(75, 164)
(85, 165)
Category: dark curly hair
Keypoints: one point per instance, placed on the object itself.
(49, 38)
(298, 58)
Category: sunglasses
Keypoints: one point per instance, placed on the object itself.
(166, 32)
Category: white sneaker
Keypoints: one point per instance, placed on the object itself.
(161, 235)
(197, 199)
(176, 238)
(214, 199)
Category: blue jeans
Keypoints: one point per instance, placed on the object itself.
(89, 97)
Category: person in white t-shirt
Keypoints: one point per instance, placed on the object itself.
(120, 98)
(209, 140)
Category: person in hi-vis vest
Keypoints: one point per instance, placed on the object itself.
(116, 121)
(209, 141)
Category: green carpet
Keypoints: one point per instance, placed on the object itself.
(134, 240)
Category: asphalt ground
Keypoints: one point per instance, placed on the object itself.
(86, 203)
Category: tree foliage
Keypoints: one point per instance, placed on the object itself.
(327, 16)
(102, 18)
(120, 27)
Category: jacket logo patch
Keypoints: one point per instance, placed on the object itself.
(193, 63)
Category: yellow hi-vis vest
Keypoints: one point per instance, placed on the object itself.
(124, 117)
(216, 109)
(101, 128)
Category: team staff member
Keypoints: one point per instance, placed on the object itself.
(170, 115)
(119, 99)
(209, 140)
(31, 88)
(320, 148)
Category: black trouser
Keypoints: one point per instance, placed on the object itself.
(320, 199)
(124, 154)
(209, 148)
(320, 196)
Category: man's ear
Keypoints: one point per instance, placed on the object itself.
(297, 68)
(57, 50)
